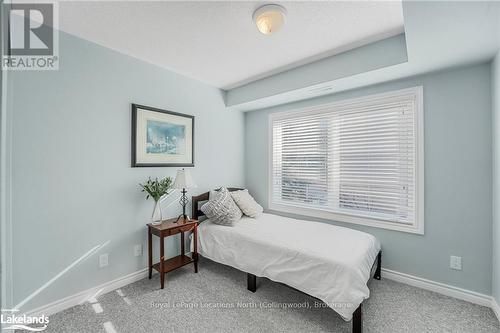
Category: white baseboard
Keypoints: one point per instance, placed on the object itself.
(440, 288)
(84, 296)
(495, 308)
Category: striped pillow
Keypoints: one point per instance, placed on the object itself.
(221, 209)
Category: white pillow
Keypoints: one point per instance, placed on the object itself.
(247, 203)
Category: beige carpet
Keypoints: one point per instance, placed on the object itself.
(216, 300)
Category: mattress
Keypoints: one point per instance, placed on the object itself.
(328, 262)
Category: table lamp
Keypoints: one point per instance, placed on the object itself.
(183, 180)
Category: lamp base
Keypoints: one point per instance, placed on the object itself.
(182, 216)
(183, 200)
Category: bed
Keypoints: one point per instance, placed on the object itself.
(331, 263)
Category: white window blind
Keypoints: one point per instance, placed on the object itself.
(354, 159)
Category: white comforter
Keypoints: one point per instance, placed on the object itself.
(325, 261)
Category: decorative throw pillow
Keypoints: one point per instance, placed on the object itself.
(247, 203)
(213, 193)
(221, 209)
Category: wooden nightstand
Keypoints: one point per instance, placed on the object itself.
(169, 228)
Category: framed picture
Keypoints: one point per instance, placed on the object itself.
(161, 138)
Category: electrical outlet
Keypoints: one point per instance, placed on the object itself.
(103, 260)
(456, 263)
(138, 250)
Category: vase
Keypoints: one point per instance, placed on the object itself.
(156, 217)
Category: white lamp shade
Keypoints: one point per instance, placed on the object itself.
(183, 180)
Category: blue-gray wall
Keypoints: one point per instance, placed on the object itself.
(73, 189)
(458, 186)
(495, 91)
(72, 184)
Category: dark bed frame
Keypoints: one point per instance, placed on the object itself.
(357, 320)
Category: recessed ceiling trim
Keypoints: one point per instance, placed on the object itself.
(384, 53)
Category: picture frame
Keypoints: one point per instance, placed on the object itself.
(161, 138)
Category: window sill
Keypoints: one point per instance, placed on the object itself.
(418, 228)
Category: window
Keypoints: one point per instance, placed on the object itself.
(359, 161)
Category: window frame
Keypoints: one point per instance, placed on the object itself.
(418, 226)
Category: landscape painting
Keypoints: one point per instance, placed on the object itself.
(161, 137)
(165, 138)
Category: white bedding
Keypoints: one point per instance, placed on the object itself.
(325, 261)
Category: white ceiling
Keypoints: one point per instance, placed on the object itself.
(217, 42)
(439, 35)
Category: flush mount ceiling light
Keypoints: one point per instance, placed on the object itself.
(269, 18)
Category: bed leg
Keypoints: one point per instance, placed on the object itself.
(357, 320)
(378, 275)
(251, 282)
